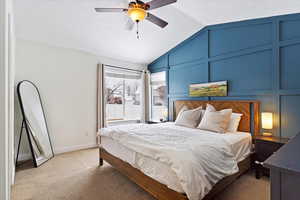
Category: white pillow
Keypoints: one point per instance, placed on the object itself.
(188, 118)
(234, 122)
(216, 121)
(210, 108)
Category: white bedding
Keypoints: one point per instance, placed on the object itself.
(166, 152)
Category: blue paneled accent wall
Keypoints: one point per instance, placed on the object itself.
(260, 58)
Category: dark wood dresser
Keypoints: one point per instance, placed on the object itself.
(285, 171)
(265, 146)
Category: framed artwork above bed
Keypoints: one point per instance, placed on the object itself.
(208, 89)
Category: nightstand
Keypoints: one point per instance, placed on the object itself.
(265, 146)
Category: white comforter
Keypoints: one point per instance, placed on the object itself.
(199, 158)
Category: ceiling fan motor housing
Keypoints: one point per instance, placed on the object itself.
(137, 10)
(139, 4)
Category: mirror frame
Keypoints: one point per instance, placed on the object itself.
(26, 125)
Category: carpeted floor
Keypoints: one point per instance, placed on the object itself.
(76, 176)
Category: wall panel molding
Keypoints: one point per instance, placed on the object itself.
(290, 115)
(191, 63)
(193, 49)
(289, 66)
(181, 77)
(249, 72)
(220, 40)
(289, 42)
(289, 29)
(260, 58)
(241, 52)
(232, 94)
(276, 77)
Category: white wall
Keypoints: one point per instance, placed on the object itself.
(3, 103)
(11, 46)
(66, 79)
(6, 99)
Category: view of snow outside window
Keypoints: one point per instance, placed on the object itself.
(159, 96)
(123, 97)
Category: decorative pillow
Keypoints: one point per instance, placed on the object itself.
(234, 122)
(209, 108)
(216, 121)
(188, 118)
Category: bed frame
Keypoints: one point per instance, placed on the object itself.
(249, 123)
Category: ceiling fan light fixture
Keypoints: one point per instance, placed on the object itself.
(137, 14)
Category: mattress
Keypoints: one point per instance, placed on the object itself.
(239, 142)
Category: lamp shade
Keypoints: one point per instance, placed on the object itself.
(137, 14)
(267, 120)
(165, 113)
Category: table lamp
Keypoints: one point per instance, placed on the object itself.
(267, 122)
(165, 114)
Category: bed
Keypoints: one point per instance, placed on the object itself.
(157, 178)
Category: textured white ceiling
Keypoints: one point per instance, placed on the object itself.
(75, 24)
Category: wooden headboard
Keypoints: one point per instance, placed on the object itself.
(250, 110)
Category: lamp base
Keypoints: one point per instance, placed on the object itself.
(267, 134)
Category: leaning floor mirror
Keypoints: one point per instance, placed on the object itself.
(34, 123)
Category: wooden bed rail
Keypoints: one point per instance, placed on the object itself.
(161, 191)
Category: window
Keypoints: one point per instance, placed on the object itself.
(159, 96)
(123, 94)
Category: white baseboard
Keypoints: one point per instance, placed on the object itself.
(74, 148)
(27, 156)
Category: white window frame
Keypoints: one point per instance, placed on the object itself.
(112, 122)
(151, 96)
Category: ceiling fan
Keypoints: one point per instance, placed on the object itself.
(138, 10)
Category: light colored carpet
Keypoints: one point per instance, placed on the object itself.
(76, 176)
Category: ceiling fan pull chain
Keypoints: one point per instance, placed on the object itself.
(137, 30)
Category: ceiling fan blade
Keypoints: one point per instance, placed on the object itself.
(129, 24)
(156, 20)
(110, 9)
(159, 3)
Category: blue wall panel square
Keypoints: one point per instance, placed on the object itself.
(290, 67)
(181, 77)
(161, 62)
(290, 115)
(289, 29)
(247, 72)
(267, 102)
(227, 40)
(192, 50)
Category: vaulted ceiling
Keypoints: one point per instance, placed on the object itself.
(75, 24)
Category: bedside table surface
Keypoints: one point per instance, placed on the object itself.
(271, 139)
